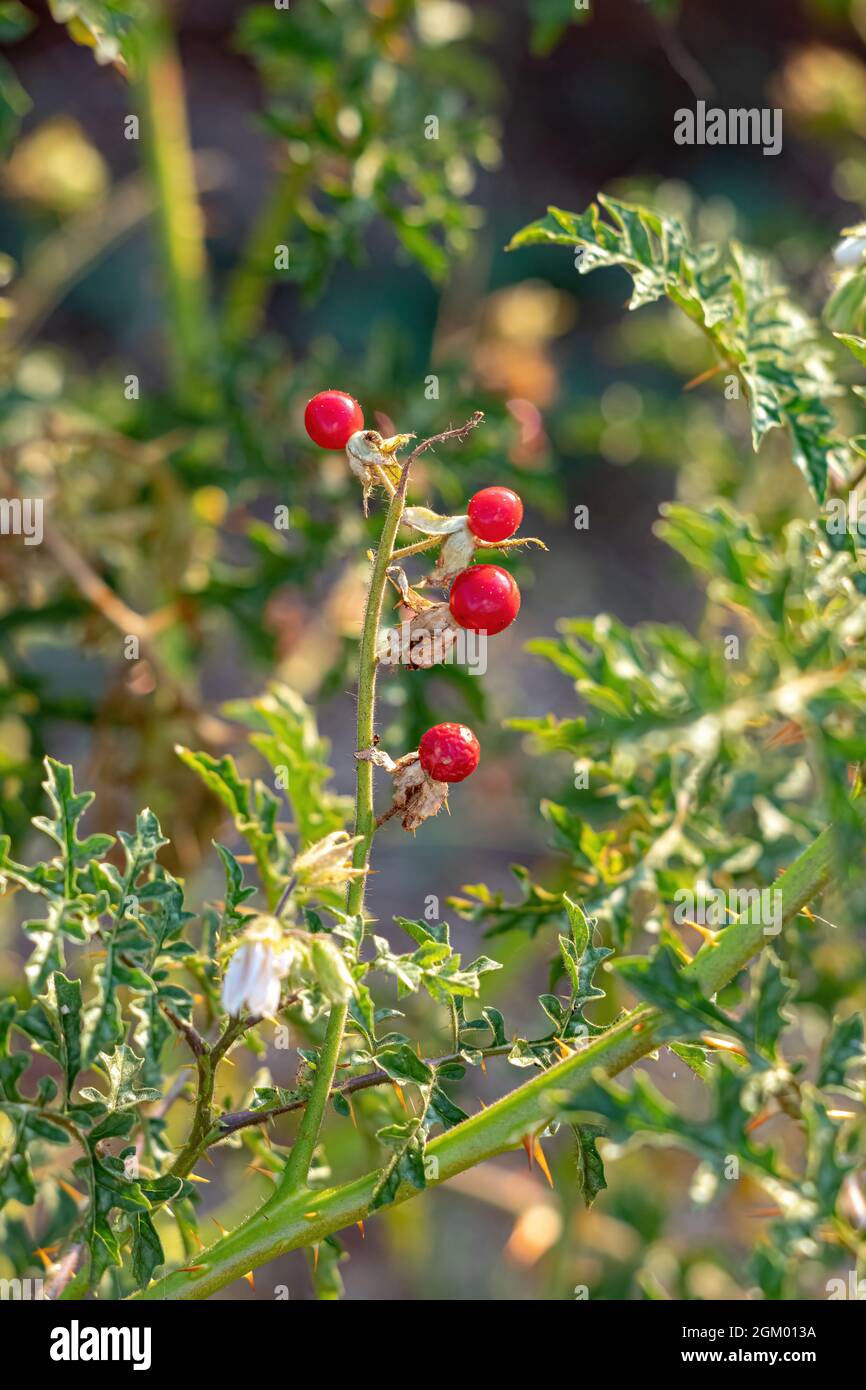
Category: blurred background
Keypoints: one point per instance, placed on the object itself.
(157, 406)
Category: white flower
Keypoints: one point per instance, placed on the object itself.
(850, 251)
(257, 969)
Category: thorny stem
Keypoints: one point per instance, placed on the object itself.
(296, 1171)
(304, 1219)
(243, 1119)
(207, 1059)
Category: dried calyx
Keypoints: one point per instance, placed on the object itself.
(447, 753)
(373, 460)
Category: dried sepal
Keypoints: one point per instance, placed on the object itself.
(456, 555)
(431, 523)
(416, 795)
(423, 641)
(372, 459)
(409, 597)
(458, 543)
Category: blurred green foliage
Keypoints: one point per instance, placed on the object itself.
(680, 762)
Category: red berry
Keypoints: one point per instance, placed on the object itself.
(495, 513)
(449, 752)
(484, 598)
(332, 418)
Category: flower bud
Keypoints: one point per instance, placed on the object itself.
(331, 970)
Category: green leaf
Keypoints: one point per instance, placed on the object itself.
(12, 1065)
(826, 1168)
(69, 806)
(736, 298)
(15, 21)
(237, 892)
(324, 1265)
(16, 1180)
(54, 1024)
(407, 1165)
(581, 932)
(443, 1111)
(766, 1016)
(14, 105)
(537, 908)
(109, 27)
(121, 1069)
(285, 733)
(659, 979)
(67, 1001)
(403, 1065)
(695, 1058)
(856, 346)
(147, 1252)
(842, 1046)
(643, 1110)
(254, 809)
(590, 1165)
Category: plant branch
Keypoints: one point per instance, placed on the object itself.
(242, 1119)
(181, 224)
(252, 279)
(461, 433)
(297, 1169)
(207, 1059)
(303, 1219)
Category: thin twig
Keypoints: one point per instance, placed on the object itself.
(129, 623)
(461, 433)
(197, 1043)
(240, 1119)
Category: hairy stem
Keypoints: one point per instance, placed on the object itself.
(302, 1219)
(297, 1169)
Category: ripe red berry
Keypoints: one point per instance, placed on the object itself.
(494, 513)
(449, 752)
(484, 598)
(332, 418)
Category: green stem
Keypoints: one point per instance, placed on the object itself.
(297, 1169)
(306, 1218)
(248, 287)
(207, 1060)
(181, 225)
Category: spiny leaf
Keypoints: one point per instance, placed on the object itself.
(121, 1069)
(842, 1047)
(590, 1164)
(736, 297)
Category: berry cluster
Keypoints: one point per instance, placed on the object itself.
(481, 597)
